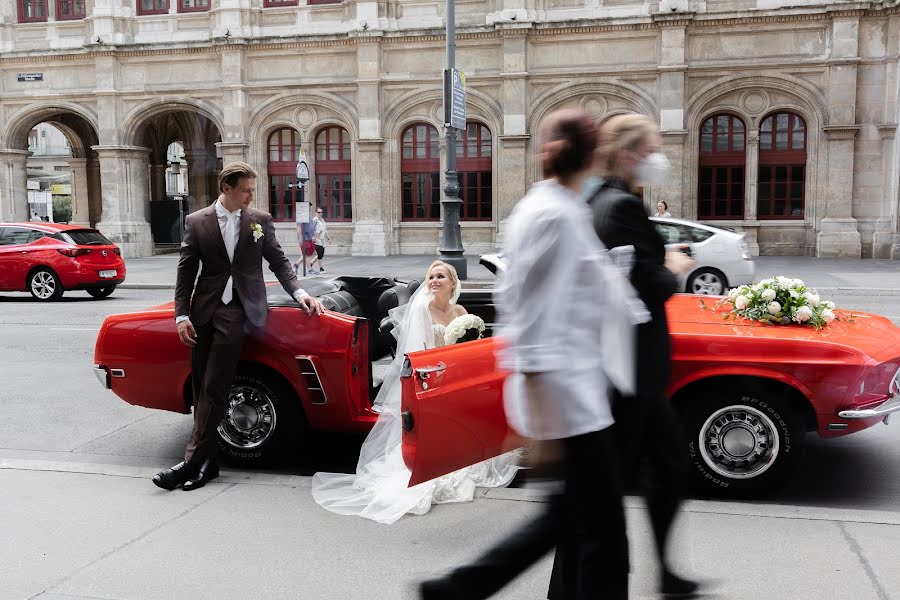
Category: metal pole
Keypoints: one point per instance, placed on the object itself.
(303, 229)
(451, 250)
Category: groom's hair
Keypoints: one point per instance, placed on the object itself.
(234, 172)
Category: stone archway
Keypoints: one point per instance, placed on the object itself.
(198, 133)
(79, 128)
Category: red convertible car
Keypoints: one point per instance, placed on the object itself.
(747, 393)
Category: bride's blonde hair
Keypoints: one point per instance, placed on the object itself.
(450, 269)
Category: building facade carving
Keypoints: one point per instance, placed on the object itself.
(779, 117)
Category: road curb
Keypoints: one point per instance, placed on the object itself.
(146, 286)
(857, 291)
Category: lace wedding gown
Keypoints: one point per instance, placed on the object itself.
(378, 491)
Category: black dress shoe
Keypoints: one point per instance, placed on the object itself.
(171, 478)
(439, 589)
(674, 586)
(209, 470)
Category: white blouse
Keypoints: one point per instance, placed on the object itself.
(550, 302)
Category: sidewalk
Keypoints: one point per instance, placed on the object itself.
(98, 529)
(829, 275)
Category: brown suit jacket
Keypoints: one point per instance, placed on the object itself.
(203, 243)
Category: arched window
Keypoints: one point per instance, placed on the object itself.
(782, 167)
(284, 152)
(420, 173)
(720, 193)
(333, 182)
(473, 165)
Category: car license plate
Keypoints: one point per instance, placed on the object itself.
(107, 274)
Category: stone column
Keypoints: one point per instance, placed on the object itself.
(838, 234)
(80, 199)
(751, 192)
(13, 186)
(512, 164)
(157, 182)
(125, 179)
(671, 100)
(372, 207)
(95, 198)
(199, 166)
(885, 239)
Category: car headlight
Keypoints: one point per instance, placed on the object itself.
(745, 250)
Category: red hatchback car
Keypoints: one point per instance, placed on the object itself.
(47, 259)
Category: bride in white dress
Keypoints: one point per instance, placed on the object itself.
(378, 491)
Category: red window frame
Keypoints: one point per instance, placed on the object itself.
(722, 167)
(782, 172)
(75, 14)
(324, 1)
(283, 149)
(192, 9)
(473, 166)
(36, 4)
(333, 173)
(277, 3)
(161, 7)
(420, 173)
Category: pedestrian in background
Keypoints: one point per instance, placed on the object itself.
(662, 209)
(550, 342)
(646, 425)
(320, 238)
(306, 232)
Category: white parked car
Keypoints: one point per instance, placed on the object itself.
(722, 257)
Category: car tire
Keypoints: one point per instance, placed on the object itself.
(101, 292)
(742, 444)
(45, 285)
(262, 415)
(707, 281)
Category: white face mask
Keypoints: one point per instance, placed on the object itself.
(652, 170)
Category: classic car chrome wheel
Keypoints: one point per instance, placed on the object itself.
(250, 418)
(707, 281)
(739, 442)
(44, 285)
(262, 415)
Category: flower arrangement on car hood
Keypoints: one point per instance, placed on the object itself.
(464, 328)
(780, 301)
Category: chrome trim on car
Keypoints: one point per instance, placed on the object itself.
(117, 372)
(311, 378)
(102, 376)
(889, 406)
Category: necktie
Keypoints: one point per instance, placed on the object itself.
(231, 224)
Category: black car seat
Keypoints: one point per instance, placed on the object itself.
(390, 299)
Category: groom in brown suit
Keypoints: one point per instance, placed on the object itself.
(230, 239)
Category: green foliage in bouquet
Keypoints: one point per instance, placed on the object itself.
(779, 301)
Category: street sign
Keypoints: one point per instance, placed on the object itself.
(302, 170)
(29, 76)
(454, 98)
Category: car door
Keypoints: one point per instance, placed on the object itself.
(452, 409)
(14, 257)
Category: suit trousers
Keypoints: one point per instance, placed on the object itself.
(584, 518)
(214, 361)
(651, 443)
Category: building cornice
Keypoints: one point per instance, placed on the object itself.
(887, 130)
(841, 132)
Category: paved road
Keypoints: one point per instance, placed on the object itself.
(74, 497)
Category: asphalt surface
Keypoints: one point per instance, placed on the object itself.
(81, 520)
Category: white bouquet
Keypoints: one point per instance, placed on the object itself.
(780, 301)
(464, 329)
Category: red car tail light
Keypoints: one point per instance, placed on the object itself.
(73, 252)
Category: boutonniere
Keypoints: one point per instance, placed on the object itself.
(256, 228)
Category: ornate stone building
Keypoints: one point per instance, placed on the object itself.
(779, 116)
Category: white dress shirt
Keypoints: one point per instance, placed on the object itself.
(550, 304)
(231, 240)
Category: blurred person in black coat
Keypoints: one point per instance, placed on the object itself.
(646, 425)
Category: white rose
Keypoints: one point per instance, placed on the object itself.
(733, 294)
(773, 308)
(827, 316)
(783, 281)
(813, 299)
(794, 294)
(829, 304)
(803, 314)
(768, 281)
(741, 302)
(797, 283)
(768, 294)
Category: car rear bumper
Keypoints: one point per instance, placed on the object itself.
(84, 276)
(889, 406)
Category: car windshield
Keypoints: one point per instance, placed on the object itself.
(84, 237)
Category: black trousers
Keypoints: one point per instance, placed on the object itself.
(213, 363)
(651, 445)
(584, 519)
